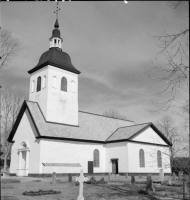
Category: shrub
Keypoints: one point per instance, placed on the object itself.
(5, 181)
(40, 192)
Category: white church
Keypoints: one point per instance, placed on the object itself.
(52, 135)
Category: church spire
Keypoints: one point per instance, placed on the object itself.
(56, 25)
(56, 40)
(57, 11)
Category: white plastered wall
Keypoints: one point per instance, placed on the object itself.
(57, 151)
(119, 151)
(62, 107)
(149, 135)
(151, 165)
(57, 106)
(60, 169)
(150, 152)
(40, 96)
(26, 132)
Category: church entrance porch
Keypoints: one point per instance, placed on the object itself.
(23, 165)
(114, 165)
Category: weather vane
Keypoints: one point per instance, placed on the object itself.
(57, 9)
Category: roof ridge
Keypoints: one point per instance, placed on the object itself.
(111, 134)
(137, 124)
(104, 116)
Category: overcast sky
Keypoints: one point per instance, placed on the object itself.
(109, 42)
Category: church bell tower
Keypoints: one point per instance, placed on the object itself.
(54, 82)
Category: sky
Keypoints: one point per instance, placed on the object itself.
(111, 43)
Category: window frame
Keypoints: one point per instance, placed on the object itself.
(55, 82)
(39, 84)
(73, 86)
(64, 84)
(141, 158)
(44, 81)
(33, 86)
(159, 159)
(96, 158)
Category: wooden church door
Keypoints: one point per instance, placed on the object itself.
(114, 166)
(90, 167)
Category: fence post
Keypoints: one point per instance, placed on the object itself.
(184, 189)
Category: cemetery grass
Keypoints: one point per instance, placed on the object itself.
(14, 190)
(69, 191)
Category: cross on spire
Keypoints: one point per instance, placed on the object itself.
(57, 10)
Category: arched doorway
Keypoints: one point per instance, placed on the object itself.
(23, 155)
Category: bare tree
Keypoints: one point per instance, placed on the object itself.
(179, 159)
(10, 106)
(10, 48)
(167, 126)
(174, 73)
(114, 114)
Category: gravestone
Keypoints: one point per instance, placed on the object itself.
(117, 177)
(174, 176)
(53, 177)
(70, 178)
(149, 188)
(169, 180)
(109, 177)
(81, 179)
(132, 180)
(161, 175)
(180, 175)
(184, 189)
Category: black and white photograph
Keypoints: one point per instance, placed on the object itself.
(94, 100)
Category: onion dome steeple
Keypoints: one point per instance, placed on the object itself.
(56, 40)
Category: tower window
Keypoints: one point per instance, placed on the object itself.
(72, 86)
(55, 41)
(54, 82)
(33, 85)
(39, 84)
(63, 84)
(44, 82)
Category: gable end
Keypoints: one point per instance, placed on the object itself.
(156, 130)
(18, 120)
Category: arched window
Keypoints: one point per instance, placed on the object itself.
(141, 158)
(96, 158)
(23, 145)
(72, 86)
(54, 82)
(33, 85)
(63, 84)
(159, 158)
(39, 84)
(44, 82)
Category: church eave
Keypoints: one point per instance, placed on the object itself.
(100, 142)
(138, 142)
(55, 65)
(70, 139)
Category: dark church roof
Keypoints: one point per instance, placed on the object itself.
(92, 128)
(57, 58)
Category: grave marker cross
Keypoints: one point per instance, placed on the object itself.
(81, 179)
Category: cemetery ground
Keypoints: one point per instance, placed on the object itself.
(12, 188)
